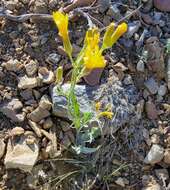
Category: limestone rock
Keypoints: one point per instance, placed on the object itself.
(12, 109)
(31, 68)
(12, 65)
(45, 75)
(42, 111)
(20, 155)
(27, 83)
(121, 182)
(17, 131)
(38, 114)
(35, 128)
(120, 99)
(155, 154)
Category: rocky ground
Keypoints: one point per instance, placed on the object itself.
(35, 129)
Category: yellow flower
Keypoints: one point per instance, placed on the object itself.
(107, 114)
(92, 37)
(61, 21)
(112, 35)
(92, 56)
(93, 59)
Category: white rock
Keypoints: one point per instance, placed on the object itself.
(17, 131)
(155, 154)
(120, 181)
(46, 75)
(152, 187)
(12, 110)
(162, 90)
(155, 139)
(12, 65)
(35, 128)
(27, 83)
(140, 66)
(150, 183)
(20, 155)
(31, 68)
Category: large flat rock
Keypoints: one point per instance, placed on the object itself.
(20, 155)
(120, 98)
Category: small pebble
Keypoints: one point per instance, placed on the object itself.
(151, 110)
(162, 5)
(31, 68)
(162, 90)
(140, 66)
(155, 154)
(151, 85)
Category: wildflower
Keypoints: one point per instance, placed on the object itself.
(61, 21)
(92, 56)
(93, 59)
(92, 37)
(112, 35)
(107, 114)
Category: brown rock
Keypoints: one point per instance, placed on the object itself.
(167, 156)
(162, 5)
(27, 83)
(151, 110)
(31, 68)
(61, 51)
(48, 123)
(35, 128)
(147, 19)
(2, 148)
(93, 78)
(155, 60)
(38, 114)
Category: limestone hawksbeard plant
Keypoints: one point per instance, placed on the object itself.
(89, 58)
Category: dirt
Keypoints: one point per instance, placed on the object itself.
(32, 50)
